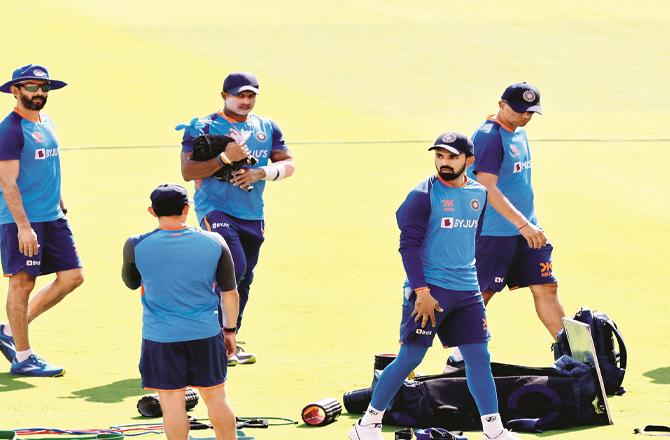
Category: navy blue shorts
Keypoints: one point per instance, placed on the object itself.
(509, 261)
(56, 253)
(177, 365)
(462, 321)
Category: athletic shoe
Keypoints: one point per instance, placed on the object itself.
(232, 360)
(35, 366)
(367, 432)
(505, 435)
(7, 344)
(243, 357)
(453, 363)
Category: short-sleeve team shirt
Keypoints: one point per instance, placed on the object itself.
(35, 146)
(506, 154)
(212, 194)
(183, 306)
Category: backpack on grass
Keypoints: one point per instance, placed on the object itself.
(612, 358)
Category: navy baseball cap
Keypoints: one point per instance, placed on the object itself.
(238, 82)
(33, 72)
(523, 97)
(456, 143)
(169, 199)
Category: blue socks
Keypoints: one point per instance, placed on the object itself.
(393, 376)
(479, 377)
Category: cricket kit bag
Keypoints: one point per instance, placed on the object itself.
(530, 399)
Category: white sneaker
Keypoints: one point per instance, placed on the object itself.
(232, 360)
(367, 432)
(504, 435)
(243, 357)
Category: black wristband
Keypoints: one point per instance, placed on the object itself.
(229, 329)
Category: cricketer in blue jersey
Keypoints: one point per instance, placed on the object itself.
(183, 343)
(35, 237)
(235, 209)
(438, 224)
(513, 249)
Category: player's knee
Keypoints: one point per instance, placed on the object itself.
(21, 283)
(72, 279)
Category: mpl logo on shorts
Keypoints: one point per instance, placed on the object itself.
(520, 166)
(450, 223)
(33, 263)
(421, 331)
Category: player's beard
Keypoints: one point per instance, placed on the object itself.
(453, 175)
(34, 103)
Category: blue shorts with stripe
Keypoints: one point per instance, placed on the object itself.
(177, 365)
(462, 320)
(56, 253)
(510, 261)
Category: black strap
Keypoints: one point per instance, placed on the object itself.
(623, 355)
(654, 430)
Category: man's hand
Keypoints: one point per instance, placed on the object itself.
(533, 235)
(236, 151)
(247, 176)
(27, 241)
(425, 307)
(230, 341)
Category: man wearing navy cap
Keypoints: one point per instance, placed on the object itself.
(183, 343)
(35, 238)
(438, 224)
(235, 209)
(513, 249)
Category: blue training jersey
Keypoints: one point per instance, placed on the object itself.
(34, 145)
(506, 154)
(178, 270)
(438, 227)
(212, 194)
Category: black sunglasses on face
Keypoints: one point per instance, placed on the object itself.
(32, 88)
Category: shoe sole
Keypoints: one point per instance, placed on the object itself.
(17, 373)
(250, 360)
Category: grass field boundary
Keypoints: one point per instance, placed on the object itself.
(368, 142)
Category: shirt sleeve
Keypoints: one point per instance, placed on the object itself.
(278, 142)
(11, 139)
(412, 217)
(187, 143)
(225, 269)
(488, 151)
(129, 273)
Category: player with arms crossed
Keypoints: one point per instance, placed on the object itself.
(513, 249)
(234, 208)
(438, 224)
(35, 236)
(182, 342)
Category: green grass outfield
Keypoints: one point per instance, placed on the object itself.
(375, 74)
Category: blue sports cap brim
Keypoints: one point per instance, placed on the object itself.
(55, 84)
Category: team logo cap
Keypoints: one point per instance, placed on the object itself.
(523, 97)
(169, 198)
(456, 143)
(238, 82)
(33, 72)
